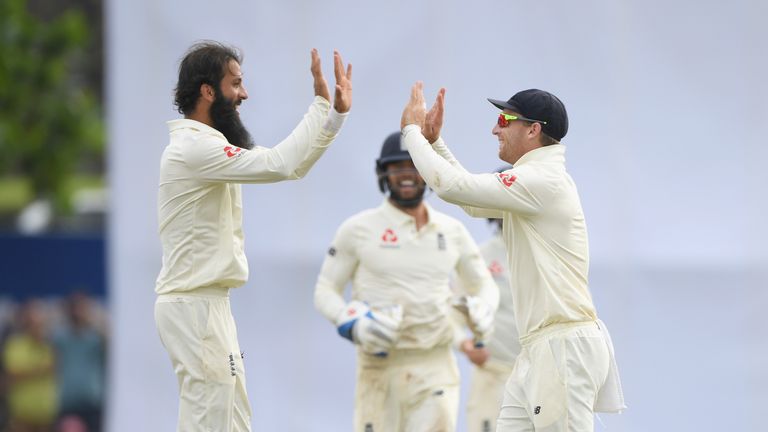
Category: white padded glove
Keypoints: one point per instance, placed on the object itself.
(375, 331)
(479, 317)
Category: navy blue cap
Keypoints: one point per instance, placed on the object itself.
(540, 105)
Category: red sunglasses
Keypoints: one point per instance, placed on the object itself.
(505, 118)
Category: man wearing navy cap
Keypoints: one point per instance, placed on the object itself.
(566, 369)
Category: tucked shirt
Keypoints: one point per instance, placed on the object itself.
(200, 203)
(390, 262)
(544, 228)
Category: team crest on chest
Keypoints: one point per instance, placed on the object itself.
(389, 239)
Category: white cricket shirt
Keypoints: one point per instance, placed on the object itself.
(389, 262)
(544, 228)
(504, 343)
(199, 200)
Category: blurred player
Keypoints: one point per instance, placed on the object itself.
(200, 212)
(492, 362)
(400, 258)
(566, 369)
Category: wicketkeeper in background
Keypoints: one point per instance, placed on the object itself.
(400, 258)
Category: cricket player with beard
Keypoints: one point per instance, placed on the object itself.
(566, 369)
(400, 258)
(200, 216)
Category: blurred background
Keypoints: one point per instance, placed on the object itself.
(54, 317)
(667, 101)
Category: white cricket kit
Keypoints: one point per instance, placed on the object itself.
(504, 344)
(487, 384)
(548, 254)
(390, 263)
(200, 215)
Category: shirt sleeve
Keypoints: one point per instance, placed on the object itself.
(338, 269)
(519, 190)
(214, 159)
(472, 271)
(442, 149)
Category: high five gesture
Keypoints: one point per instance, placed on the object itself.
(342, 100)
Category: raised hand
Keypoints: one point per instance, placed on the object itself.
(321, 85)
(342, 100)
(416, 109)
(433, 122)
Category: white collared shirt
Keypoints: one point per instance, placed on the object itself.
(389, 262)
(199, 199)
(544, 228)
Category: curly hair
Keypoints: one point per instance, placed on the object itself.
(204, 63)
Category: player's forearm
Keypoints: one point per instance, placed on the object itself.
(437, 172)
(310, 139)
(476, 278)
(479, 212)
(328, 299)
(441, 148)
(489, 291)
(456, 186)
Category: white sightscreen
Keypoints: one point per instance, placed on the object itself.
(667, 109)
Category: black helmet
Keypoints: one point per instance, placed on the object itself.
(390, 152)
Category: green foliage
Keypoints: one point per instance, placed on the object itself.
(50, 121)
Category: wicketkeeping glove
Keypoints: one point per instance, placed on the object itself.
(479, 317)
(375, 331)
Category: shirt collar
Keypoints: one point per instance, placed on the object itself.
(184, 123)
(402, 217)
(550, 153)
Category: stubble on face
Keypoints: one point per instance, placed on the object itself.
(511, 143)
(407, 190)
(406, 187)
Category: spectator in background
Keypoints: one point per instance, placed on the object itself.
(400, 258)
(81, 353)
(6, 329)
(29, 361)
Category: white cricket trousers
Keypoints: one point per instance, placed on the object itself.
(556, 380)
(407, 391)
(198, 331)
(486, 392)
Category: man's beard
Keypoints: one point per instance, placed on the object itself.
(227, 121)
(414, 201)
